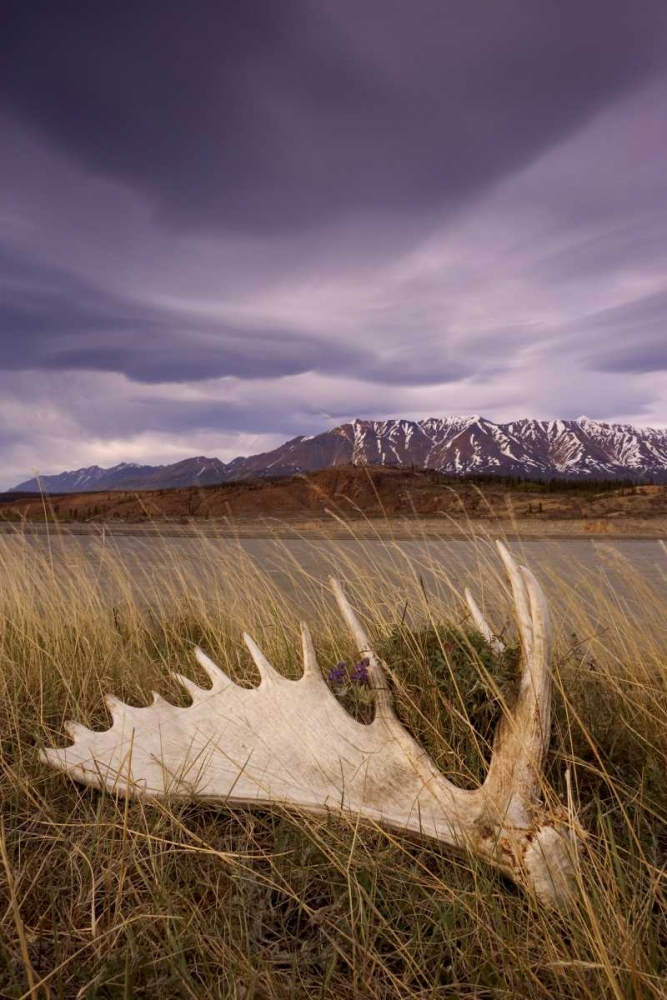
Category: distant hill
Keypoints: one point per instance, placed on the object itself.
(353, 492)
(129, 476)
(451, 445)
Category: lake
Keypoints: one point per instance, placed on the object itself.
(576, 573)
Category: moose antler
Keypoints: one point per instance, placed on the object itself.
(291, 743)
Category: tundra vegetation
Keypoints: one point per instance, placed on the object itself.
(357, 493)
(105, 897)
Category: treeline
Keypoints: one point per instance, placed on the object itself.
(515, 481)
(559, 485)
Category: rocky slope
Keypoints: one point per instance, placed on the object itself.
(353, 493)
(452, 445)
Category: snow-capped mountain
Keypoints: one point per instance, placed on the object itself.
(129, 476)
(455, 445)
(467, 445)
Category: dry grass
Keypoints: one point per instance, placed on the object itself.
(106, 898)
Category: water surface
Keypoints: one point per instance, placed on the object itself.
(620, 569)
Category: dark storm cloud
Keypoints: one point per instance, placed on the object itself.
(51, 319)
(267, 115)
(630, 338)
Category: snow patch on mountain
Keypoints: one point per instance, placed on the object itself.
(457, 445)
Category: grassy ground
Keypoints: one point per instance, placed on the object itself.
(354, 493)
(105, 898)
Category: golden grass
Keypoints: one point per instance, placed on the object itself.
(106, 898)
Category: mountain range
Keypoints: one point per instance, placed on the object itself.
(454, 445)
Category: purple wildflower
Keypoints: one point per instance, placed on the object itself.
(360, 672)
(338, 673)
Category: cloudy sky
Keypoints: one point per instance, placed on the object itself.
(226, 223)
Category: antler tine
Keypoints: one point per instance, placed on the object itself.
(481, 623)
(311, 668)
(663, 546)
(534, 699)
(217, 676)
(515, 773)
(377, 675)
(520, 596)
(267, 672)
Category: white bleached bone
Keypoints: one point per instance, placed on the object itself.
(481, 624)
(290, 743)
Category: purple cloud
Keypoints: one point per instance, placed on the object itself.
(225, 226)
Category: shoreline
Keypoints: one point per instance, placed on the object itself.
(629, 529)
